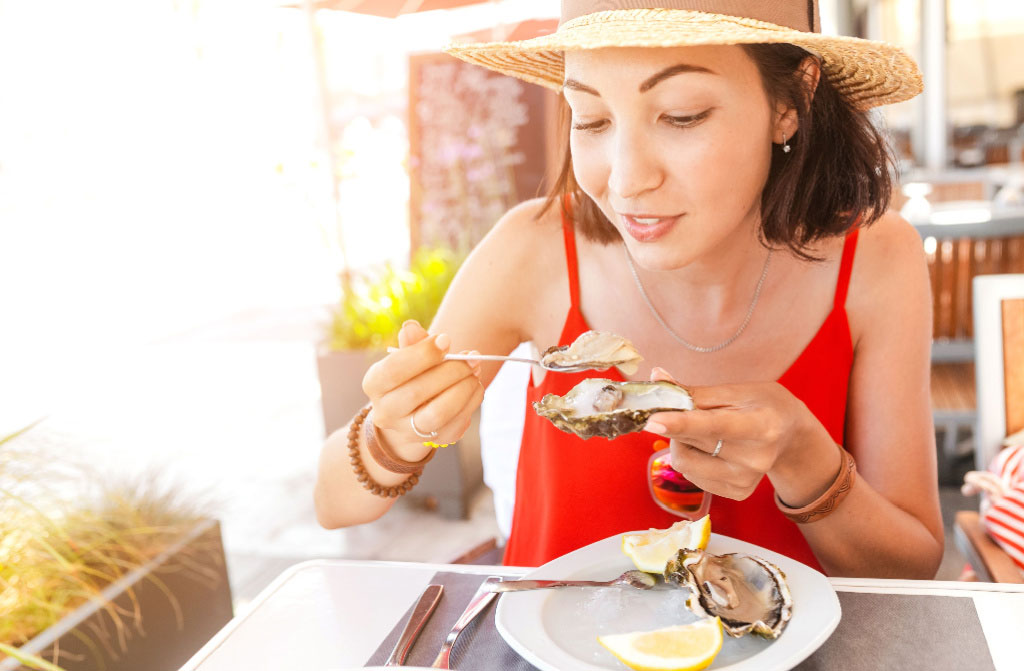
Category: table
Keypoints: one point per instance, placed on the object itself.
(358, 603)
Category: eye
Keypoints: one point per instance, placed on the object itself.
(592, 127)
(686, 121)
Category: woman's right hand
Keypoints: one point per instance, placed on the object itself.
(416, 384)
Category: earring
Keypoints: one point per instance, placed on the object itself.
(785, 145)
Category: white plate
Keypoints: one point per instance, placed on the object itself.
(557, 629)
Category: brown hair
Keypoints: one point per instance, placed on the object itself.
(837, 175)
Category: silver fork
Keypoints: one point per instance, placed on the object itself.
(476, 606)
(632, 578)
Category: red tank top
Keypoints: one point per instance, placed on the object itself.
(571, 492)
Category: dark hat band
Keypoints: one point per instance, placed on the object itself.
(797, 14)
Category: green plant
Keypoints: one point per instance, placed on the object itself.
(66, 534)
(374, 305)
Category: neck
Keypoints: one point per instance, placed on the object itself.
(721, 280)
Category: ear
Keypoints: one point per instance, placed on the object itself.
(786, 121)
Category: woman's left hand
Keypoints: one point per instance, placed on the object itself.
(762, 428)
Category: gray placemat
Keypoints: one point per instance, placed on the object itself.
(877, 631)
(906, 632)
(479, 646)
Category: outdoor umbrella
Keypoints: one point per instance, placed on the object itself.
(524, 30)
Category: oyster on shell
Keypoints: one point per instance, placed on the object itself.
(593, 350)
(600, 407)
(748, 593)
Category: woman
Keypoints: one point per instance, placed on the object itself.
(723, 206)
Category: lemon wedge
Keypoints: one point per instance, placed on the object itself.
(684, 647)
(651, 550)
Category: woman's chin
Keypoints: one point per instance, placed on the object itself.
(661, 259)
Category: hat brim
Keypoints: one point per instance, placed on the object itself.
(867, 73)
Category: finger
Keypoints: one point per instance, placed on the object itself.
(446, 406)
(705, 427)
(406, 398)
(704, 398)
(716, 487)
(690, 460)
(724, 489)
(406, 363)
(727, 395)
(475, 364)
(708, 484)
(455, 429)
(705, 471)
(411, 333)
(658, 374)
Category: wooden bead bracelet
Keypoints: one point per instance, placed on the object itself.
(825, 504)
(363, 476)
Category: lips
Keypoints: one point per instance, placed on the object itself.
(648, 227)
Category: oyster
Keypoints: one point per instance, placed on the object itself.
(748, 593)
(599, 407)
(593, 350)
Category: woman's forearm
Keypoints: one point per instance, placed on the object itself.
(869, 536)
(340, 499)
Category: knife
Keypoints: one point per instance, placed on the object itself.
(477, 604)
(420, 614)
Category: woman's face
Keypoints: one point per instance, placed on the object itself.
(673, 144)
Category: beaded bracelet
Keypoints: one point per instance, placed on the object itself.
(362, 475)
(825, 504)
(387, 459)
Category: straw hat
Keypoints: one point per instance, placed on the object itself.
(867, 73)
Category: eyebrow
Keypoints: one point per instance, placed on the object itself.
(648, 83)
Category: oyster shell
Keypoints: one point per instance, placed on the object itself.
(600, 407)
(748, 593)
(593, 350)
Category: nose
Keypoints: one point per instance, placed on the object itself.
(635, 169)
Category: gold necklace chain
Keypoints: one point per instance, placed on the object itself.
(680, 339)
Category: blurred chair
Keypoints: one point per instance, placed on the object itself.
(984, 248)
(998, 318)
(988, 561)
(999, 345)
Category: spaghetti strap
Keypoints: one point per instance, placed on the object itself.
(845, 267)
(568, 232)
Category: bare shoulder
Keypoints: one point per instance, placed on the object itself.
(891, 239)
(527, 229)
(504, 275)
(890, 275)
(526, 243)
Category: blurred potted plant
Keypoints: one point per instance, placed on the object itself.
(102, 576)
(363, 325)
